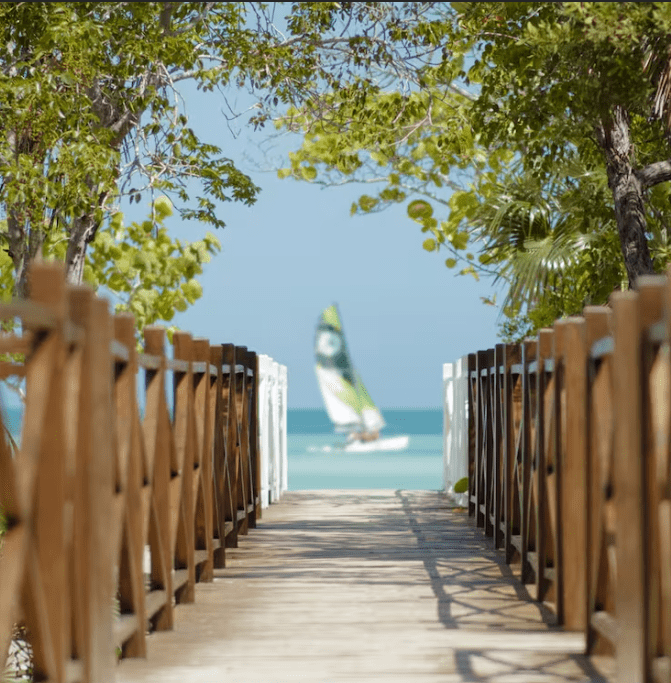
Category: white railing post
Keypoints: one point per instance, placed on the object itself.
(284, 385)
(266, 454)
(272, 429)
(448, 409)
(455, 428)
(275, 433)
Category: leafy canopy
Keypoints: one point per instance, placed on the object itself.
(150, 274)
(140, 266)
(91, 111)
(496, 153)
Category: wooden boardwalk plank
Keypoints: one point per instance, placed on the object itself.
(364, 586)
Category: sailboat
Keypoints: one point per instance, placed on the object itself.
(348, 404)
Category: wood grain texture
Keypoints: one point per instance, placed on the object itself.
(363, 586)
(573, 496)
(629, 487)
(113, 516)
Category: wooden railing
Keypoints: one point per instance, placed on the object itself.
(115, 509)
(570, 471)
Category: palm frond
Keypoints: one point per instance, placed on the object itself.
(541, 266)
(537, 230)
(657, 64)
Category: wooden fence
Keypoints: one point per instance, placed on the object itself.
(569, 469)
(97, 490)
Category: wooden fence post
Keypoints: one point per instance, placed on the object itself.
(161, 459)
(481, 439)
(182, 501)
(219, 464)
(651, 302)
(512, 422)
(232, 442)
(599, 433)
(662, 662)
(559, 446)
(473, 408)
(499, 445)
(254, 449)
(543, 408)
(573, 503)
(46, 604)
(204, 409)
(242, 407)
(524, 462)
(629, 489)
(95, 483)
(136, 489)
(489, 385)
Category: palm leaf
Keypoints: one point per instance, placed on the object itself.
(536, 229)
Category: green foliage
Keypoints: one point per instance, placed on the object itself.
(497, 147)
(148, 273)
(6, 277)
(90, 114)
(91, 110)
(152, 275)
(461, 486)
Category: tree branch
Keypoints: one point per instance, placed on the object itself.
(654, 174)
(165, 16)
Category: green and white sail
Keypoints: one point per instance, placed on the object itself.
(370, 413)
(348, 404)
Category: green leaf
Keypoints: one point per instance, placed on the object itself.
(420, 210)
(367, 204)
(459, 240)
(308, 172)
(462, 485)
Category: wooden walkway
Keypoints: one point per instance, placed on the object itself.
(372, 586)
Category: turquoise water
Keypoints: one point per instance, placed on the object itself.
(12, 418)
(314, 463)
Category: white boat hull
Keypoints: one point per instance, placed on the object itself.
(392, 443)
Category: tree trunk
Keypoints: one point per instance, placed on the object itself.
(615, 140)
(83, 231)
(18, 250)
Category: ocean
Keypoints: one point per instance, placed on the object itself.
(315, 463)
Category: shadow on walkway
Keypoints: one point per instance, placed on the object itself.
(370, 586)
(453, 584)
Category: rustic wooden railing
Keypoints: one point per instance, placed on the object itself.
(99, 493)
(569, 465)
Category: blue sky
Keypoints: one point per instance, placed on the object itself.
(298, 250)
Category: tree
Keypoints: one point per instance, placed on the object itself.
(91, 111)
(150, 274)
(144, 270)
(569, 100)
(594, 74)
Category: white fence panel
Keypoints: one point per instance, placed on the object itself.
(272, 429)
(455, 427)
(283, 480)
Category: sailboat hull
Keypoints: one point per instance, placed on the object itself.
(392, 443)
